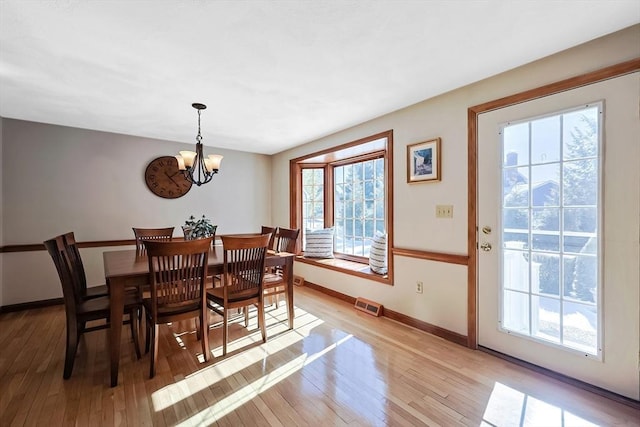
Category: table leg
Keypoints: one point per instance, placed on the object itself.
(289, 269)
(116, 294)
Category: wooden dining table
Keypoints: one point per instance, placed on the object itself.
(129, 268)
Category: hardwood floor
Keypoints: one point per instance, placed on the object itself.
(338, 367)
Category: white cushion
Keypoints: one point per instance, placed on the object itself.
(319, 243)
(378, 253)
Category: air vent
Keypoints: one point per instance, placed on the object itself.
(369, 307)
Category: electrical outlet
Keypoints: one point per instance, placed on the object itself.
(418, 287)
(444, 211)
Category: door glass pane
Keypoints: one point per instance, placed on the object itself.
(546, 318)
(550, 215)
(516, 270)
(516, 144)
(580, 326)
(546, 274)
(545, 140)
(516, 312)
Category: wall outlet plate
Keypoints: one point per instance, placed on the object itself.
(444, 211)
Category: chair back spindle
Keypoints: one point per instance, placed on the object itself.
(160, 234)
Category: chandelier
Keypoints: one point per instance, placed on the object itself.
(196, 168)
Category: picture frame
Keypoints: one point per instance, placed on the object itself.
(423, 161)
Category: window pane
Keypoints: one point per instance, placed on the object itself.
(338, 175)
(580, 134)
(546, 318)
(580, 219)
(369, 209)
(545, 219)
(516, 270)
(545, 274)
(544, 185)
(368, 190)
(516, 144)
(368, 170)
(580, 183)
(515, 307)
(545, 241)
(545, 140)
(515, 187)
(584, 284)
(580, 326)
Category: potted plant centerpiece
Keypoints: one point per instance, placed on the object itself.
(198, 228)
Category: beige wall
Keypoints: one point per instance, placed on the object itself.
(444, 301)
(58, 179)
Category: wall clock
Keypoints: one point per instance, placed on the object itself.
(164, 179)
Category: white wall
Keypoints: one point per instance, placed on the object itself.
(444, 302)
(58, 179)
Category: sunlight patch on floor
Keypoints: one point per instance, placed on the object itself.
(510, 407)
(252, 390)
(194, 383)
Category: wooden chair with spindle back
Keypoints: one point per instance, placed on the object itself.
(77, 266)
(80, 310)
(161, 234)
(275, 282)
(244, 263)
(178, 272)
(273, 230)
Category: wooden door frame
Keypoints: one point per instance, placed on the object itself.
(602, 74)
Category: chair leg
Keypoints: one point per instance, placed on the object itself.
(204, 327)
(72, 347)
(198, 329)
(154, 351)
(261, 322)
(246, 316)
(225, 331)
(147, 342)
(135, 329)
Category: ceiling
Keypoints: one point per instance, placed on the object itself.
(274, 74)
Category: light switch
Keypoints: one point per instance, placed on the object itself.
(444, 211)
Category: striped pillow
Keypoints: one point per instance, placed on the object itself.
(378, 254)
(319, 243)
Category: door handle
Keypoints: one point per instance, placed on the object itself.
(486, 246)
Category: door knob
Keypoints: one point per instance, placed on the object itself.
(486, 246)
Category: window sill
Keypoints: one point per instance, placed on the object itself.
(352, 268)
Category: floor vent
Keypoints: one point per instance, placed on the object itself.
(369, 307)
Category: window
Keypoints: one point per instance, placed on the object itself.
(358, 194)
(550, 228)
(348, 188)
(313, 198)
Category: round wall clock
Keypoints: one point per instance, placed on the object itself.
(164, 179)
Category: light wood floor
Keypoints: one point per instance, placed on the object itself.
(338, 367)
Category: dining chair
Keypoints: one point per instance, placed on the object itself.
(243, 271)
(78, 267)
(79, 310)
(178, 272)
(80, 278)
(273, 230)
(275, 281)
(143, 234)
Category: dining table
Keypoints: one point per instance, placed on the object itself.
(130, 268)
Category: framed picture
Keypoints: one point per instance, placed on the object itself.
(423, 161)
